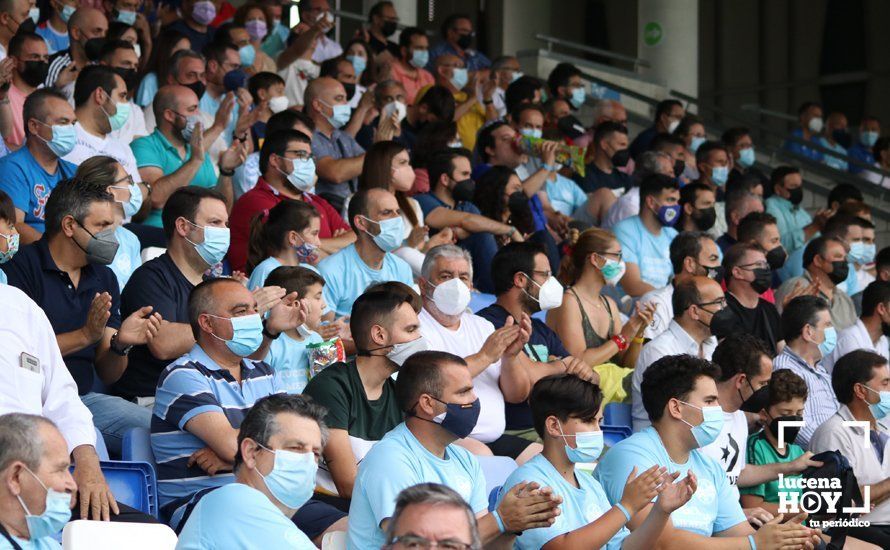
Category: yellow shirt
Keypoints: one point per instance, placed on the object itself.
(469, 124)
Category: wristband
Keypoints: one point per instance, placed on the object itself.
(620, 341)
(751, 542)
(497, 518)
(623, 511)
(549, 167)
(226, 173)
(639, 340)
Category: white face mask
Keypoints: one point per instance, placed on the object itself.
(549, 294)
(395, 107)
(278, 104)
(401, 352)
(673, 126)
(451, 297)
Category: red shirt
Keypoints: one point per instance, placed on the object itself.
(263, 197)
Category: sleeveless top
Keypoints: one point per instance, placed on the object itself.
(591, 338)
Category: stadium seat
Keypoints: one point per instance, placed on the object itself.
(335, 540)
(617, 414)
(137, 446)
(101, 449)
(83, 534)
(615, 434)
(133, 483)
(496, 469)
(479, 300)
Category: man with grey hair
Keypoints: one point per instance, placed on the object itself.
(499, 367)
(431, 512)
(628, 204)
(279, 447)
(36, 487)
(609, 110)
(741, 200)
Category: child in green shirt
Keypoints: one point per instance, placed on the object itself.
(787, 395)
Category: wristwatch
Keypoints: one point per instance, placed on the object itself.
(123, 352)
(226, 173)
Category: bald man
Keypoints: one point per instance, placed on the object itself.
(609, 110)
(84, 28)
(338, 157)
(174, 155)
(450, 72)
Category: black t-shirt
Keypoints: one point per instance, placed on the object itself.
(763, 321)
(160, 284)
(595, 179)
(378, 46)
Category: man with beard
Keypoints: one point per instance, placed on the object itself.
(699, 210)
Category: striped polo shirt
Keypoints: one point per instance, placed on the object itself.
(821, 402)
(194, 384)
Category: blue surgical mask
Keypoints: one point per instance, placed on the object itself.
(191, 122)
(696, 143)
(64, 139)
(247, 54)
(392, 233)
(12, 246)
(711, 426)
(215, 245)
(459, 77)
(53, 518)
(459, 420)
(135, 203)
(340, 116)
(419, 58)
(127, 17)
(119, 118)
(67, 12)
(588, 446)
(862, 253)
(746, 157)
(536, 133)
(302, 177)
(830, 341)
(359, 64)
(579, 94)
(668, 215)
(34, 14)
(719, 175)
(292, 479)
(882, 407)
(868, 138)
(247, 334)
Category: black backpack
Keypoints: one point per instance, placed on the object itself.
(835, 466)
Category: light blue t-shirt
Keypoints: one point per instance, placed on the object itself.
(834, 162)
(399, 461)
(145, 94)
(3, 277)
(580, 505)
(239, 516)
(128, 257)
(46, 543)
(713, 508)
(29, 185)
(347, 276)
(262, 270)
(211, 105)
(650, 252)
(565, 195)
(55, 42)
(790, 220)
(290, 360)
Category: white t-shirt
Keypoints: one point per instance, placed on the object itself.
(729, 449)
(463, 342)
(853, 338)
(133, 128)
(88, 145)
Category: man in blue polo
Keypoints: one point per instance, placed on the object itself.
(457, 39)
(30, 174)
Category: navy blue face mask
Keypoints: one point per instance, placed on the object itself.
(458, 419)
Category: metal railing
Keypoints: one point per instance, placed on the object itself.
(552, 40)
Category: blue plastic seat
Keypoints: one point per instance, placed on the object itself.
(136, 445)
(479, 300)
(614, 434)
(101, 449)
(617, 414)
(132, 483)
(496, 469)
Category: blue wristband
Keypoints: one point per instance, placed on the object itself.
(549, 167)
(500, 522)
(623, 511)
(751, 542)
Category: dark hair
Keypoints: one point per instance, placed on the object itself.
(881, 145)
(882, 259)
(686, 245)
(377, 174)
(654, 184)
(92, 77)
(785, 385)
(805, 106)
(521, 91)
(817, 247)
(690, 191)
(216, 50)
(74, 197)
(331, 67)
(371, 308)
(778, 175)
(838, 225)
(7, 208)
(751, 226)
(877, 292)
(276, 143)
(844, 192)
(856, 209)
(398, 287)
(513, 258)
(664, 107)
(116, 30)
(686, 294)
(485, 139)
(259, 423)
(451, 21)
(294, 278)
(605, 130)
(442, 162)
(703, 154)
(740, 353)
(285, 120)
(732, 135)
(358, 206)
(407, 34)
(433, 139)
(662, 142)
(368, 76)
(112, 46)
(262, 81)
(560, 76)
(377, 8)
(670, 377)
(686, 124)
(161, 58)
(519, 110)
(422, 374)
(98, 170)
(34, 105)
(733, 257)
(489, 198)
(854, 368)
(18, 40)
(439, 102)
(563, 396)
(184, 203)
(240, 16)
(200, 300)
(800, 312)
(269, 228)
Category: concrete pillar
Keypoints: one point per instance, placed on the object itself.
(668, 40)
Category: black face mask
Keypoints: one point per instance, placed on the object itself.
(621, 158)
(93, 48)
(763, 279)
(27, 25)
(350, 91)
(35, 72)
(776, 257)
(463, 190)
(389, 28)
(464, 41)
(679, 166)
(716, 273)
(758, 400)
(790, 432)
(130, 76)
(843, 138)
(795, 196)
(839, 271)
(198, 87)
(705, 218)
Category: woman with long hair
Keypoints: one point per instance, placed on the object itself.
(388, 166)
(168, 42)
(253, 18)
(588, 322)
(286, 234)
(499, 196)
(359, 54)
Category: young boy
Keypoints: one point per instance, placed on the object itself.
(787, 395)
(267, 92)
(287, 354)
(566, 415)
(9, 237)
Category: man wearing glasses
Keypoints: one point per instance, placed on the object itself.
(432, 515)
(696, 301)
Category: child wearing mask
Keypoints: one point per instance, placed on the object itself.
(286, 234)
(9, 237)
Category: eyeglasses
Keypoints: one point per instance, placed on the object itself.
(128, 178)
(299, 155)
(721, 302)
(545, 274)
(414, 542)
(618, 255)
(755, 265)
